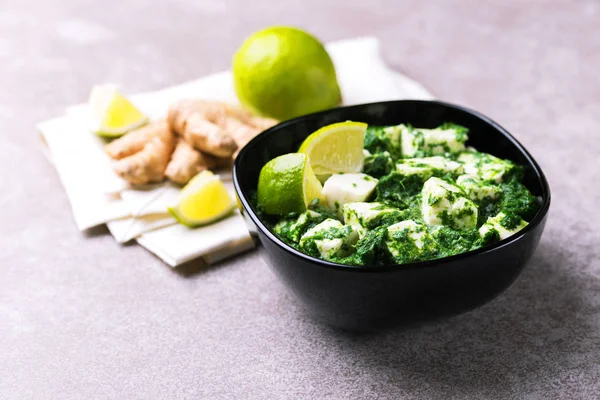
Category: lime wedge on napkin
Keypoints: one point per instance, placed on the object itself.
(287, 185)
(202, 201)
(336, 148)
(112, 114)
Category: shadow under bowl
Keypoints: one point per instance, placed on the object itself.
(371, 298)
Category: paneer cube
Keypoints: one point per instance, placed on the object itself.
(293, 229)
(487, 167)
(393, 135)
(476, 189)
(340, 189)
(504, 225)
(445, 139)
(429, 166)
(380, 139)
(365, 216)
(409, 241)
(329, 239)
(445, 204)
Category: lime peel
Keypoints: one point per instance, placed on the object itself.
(287, 185)
(283, 72)
(202, 201)
(112, 114)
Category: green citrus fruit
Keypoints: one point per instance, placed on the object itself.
(283, 72)
(287, 185)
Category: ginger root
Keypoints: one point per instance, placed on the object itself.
(215, 128)
(143, 154)
(248, 118)
(209, 135)
(200, 123)
(243, 126)
(186, 162)
(240, 132)
(131, 143)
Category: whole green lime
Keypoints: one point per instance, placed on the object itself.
(287, 185)
(283, 72)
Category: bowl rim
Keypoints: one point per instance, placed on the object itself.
(537, 220)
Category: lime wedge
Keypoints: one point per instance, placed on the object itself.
(112, 114)
(287, 185)
(202, 201)
(336, 148)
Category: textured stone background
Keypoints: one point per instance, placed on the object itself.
(82, 318)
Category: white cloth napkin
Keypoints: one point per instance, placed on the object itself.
(98, 196)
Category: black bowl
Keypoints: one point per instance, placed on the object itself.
(377, 297)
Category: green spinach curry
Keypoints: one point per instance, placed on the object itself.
(422, 194)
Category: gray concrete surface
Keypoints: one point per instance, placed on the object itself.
(82, 318)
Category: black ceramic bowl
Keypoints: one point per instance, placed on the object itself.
(377, 297)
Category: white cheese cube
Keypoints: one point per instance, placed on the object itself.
(407, 240)
(470, 162)
(340, 189)
(431, 142)
(486, 166)
(364, 216)
(446, 204)
(386, 139)
(407, 170)
(322, 227)
(395, 136)
(428, 166)
(476, 189)
(412, 141)
(394, 133)
(497, 223)
(441, 141)
(329, 239)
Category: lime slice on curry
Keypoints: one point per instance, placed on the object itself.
(112, 114)
(203, 200)
(287, 185)
(336, 148)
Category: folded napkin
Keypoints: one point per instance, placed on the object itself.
(98, 196)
